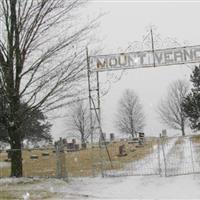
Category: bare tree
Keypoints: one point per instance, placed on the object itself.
(42, 58)
(130, 118)
(170, 108)
(79, 121)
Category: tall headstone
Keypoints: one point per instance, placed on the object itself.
(112, 137)
(122, 150)
(65, 141)
(141, 138)
(164, 133)
(74, 141)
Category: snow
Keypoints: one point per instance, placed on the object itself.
(134, 187)
(14, 181)
(26, 196)
(4, 164)
(153, 187)
(179, 158)
(179, 161)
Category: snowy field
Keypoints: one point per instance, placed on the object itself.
(148, 187)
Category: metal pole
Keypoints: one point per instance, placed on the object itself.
(98, 98)
(152, 46)
(93, 107)
(192, 158)
(101, 132)
(99, 122)
(90, 104)
(89, 90)
(164, 157)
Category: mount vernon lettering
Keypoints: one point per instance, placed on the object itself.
(173, 56)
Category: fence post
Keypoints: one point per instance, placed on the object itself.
(61, 171)
(58, 164)
(159, 164)
(191, 152)
(164, 156)
(92, 159)
(101, 149)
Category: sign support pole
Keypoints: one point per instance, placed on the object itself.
(90, 105)
(152, 46)
(95, 107)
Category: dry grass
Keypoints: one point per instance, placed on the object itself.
(79, 163)
(6, 195)
(196, 139)
(179, 141)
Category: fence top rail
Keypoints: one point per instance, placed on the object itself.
(180, 136)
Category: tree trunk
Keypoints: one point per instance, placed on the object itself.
(83, 144)
(16, 153)
(183, 130)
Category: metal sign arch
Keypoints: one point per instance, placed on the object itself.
(131, 60)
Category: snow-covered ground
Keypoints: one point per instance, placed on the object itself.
(131, 187)
(179, 160)
(183, 158)
(4, 164)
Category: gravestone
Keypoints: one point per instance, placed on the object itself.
(83, 145)
(164, 133)
(70, 146)
(112, 137)
(122, 150)
(45, 153)
(76, 147)
(34, 157)
(141, 138)
(74, 141)
(64, 141)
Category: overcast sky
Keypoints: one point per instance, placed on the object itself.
(126, 22)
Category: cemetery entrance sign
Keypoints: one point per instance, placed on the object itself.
(142, 59)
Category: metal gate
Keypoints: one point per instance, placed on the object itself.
(168, 156)
(182, 155)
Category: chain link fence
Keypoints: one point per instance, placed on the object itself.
(166, 156)
(183, 155)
